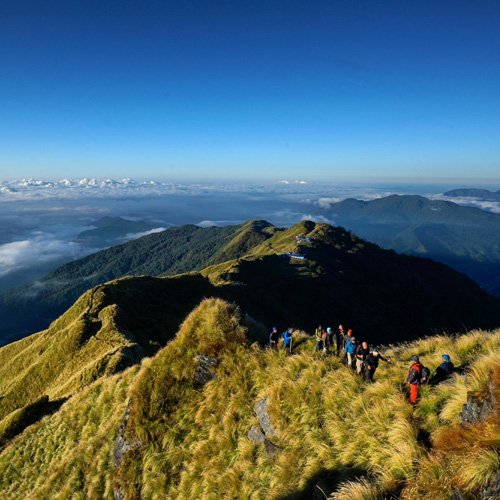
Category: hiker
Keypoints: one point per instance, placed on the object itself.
(362, 352)
(414, 378)
(345, 340)
(318, 333)
(328, 339)
(287, 339)
(371, 364)
(350, 350)
(444, 370)
(339, 335)
(274, 338)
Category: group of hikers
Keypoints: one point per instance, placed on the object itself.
(359, 357)
(418, 374)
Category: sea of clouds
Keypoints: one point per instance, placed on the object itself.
(40, 219)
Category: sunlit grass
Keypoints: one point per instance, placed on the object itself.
(358, 440)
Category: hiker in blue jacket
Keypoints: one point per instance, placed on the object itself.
(444, 370)
(287, 339)
(350, 350)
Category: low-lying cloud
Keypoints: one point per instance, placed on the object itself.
(134, 236)
(41, 248)
(317, 218)
(488, 206)
(218, 223)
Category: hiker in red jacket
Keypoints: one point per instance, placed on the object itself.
(414, 377)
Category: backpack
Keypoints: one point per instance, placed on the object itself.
(425, 375)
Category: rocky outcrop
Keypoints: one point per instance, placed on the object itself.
(492, 490)
(205, 369)
(260, 436)
(122, 447)
(260, 409)
(479, 405)
(257, 436)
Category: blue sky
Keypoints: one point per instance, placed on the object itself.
(237, 89)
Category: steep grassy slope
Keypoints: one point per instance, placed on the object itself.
(383, 296)
(345, 279)
(69, 454)
(176, 250)
(332, 431)
(106, 330)
(466, 238)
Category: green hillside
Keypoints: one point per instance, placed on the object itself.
(465, 238)
(174, 251)
(342, 278)
(383, 296)
(158, 430)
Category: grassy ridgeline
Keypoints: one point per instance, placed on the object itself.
(352, 439)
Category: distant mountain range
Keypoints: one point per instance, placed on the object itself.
(341, 279)
(480, 194)
(465, 238)
(31, 307)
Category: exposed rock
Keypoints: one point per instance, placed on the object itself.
(122, 446)
(271, 449)
(260, 409)
(255, 435)
(118, 495)
(492, 490)
(204, 371)
(479, 405)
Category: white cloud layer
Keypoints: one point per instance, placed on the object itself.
(134, 236)
(489, 206)
(39, 249)
(317, 218)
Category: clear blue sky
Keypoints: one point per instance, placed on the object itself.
(223, 89)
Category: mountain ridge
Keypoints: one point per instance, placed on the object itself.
(173, 251)
(465, 238)
(156, 429)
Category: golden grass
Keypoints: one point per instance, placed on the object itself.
(68, 454)
(63, 359)
(329, 424)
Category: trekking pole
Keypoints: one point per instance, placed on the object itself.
(317, 486)
(291, 342)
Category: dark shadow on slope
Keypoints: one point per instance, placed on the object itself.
(324, 483)
(24, 417)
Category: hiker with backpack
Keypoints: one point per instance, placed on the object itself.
(371, 364)
(325, 341)
(339, 335)
(287, 340)
(417, 375)
(274, 338)
(362, 352)
(328, 340)
(350, 350)
(345, 340)
(444, 370)
(318, 333)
